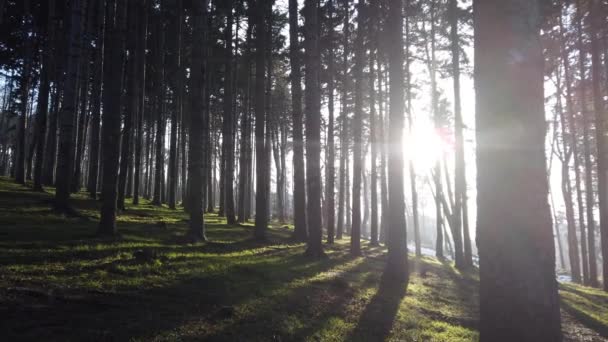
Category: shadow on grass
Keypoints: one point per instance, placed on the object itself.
(378, 318)
(584, 311)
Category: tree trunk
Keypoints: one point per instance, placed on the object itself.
(343, 186)
(299, 184)
(115, 56)
(24, 91)
(600, 139)
(355, 236)
(397, 266)
(589, 198)
(131, 104)
(313, 127)
(330, 167)
(261, 200)
(227, 141)
(96, 103)
(518, 288)
(43, 96)
(195, 148)
(68, 110)
(142, 33)
(462, 261)
(373, 125)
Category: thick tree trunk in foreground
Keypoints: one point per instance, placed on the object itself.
(397, 266)
(313, 127)
(518, 289)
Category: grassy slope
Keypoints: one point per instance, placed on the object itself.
(57, 281)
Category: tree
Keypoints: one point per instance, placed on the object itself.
(462, 260)
(330, 168)
(43, 95)
(261, 200)
(98, 73)
(518, 289)
(116, 22)
(228, 139)
(355, 236)
(299, 183)
(312, 100)
(397, 266)
(195, 147)
(65, 160)
(601, 126)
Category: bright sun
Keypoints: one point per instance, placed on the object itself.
(424, 146)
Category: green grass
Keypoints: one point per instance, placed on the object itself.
(59, 282)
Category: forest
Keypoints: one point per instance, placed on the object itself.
(312, 170)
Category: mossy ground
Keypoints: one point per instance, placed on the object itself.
(59, 282)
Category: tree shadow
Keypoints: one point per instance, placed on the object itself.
(378, 318)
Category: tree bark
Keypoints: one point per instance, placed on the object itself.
(518, 287)
(113, 81)
(330, 167)
(313, 127)
(195, 148)
(355, 236)
(397, 266)
(68, 110)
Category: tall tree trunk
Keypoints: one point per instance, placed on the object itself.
(313, 127)
(569, 151)
(330, 167)
(195, 148)
(24, 93)
(175, 23)
(355, 236)
(600, 139)
(299, 184)
(410, 117)
(343, 186)
(94, 142)
(131, 104)
(373, 124)
(462, 261)
(113, 81)
(518, 288)
(397, 266)
(573, 254)
(589, 197)
(245, 156)
(83, 118)
(68, 110)
(228, 122)
(261, 200)
(142, 33)
(43, 96)
(157, 198)
(436, 119)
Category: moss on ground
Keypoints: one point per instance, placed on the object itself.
(58, 281)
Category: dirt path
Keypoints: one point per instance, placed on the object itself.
(574, 331)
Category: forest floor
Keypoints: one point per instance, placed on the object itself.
(59, 282)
